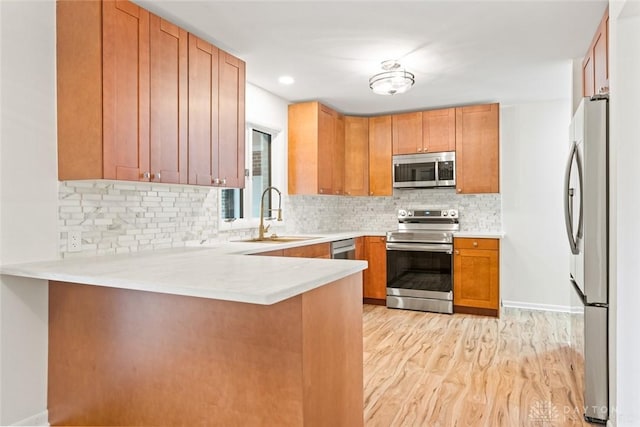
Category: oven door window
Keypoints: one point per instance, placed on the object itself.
(409, 173)
(417, 270)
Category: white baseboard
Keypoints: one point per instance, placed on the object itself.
(41, 419)
(542, 307)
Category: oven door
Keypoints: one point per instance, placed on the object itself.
(420, 276)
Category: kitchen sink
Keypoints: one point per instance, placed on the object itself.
(279, 239)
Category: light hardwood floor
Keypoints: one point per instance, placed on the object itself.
(426, 369)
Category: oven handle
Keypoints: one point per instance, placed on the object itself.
(420, 247)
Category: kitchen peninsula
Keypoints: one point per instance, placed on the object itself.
(202, 336)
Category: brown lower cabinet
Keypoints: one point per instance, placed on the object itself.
(374, 282)
(318, 250)
(476, 287)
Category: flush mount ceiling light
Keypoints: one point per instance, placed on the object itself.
(394, 79)
(286, 80)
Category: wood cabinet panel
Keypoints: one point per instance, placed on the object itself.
(79, 89)
(477, 149)
(439, 130)
(356, 149)
(229, 168)
(338, 171)
(277, 252)
(168, 101)
(476, 275)
(326, 141)
(380, 156)
(407, 133)
(203, 110)
(375, 277)
(125, 89)
(319, 250)
(595, 66)
(302, 154)
(316, 149)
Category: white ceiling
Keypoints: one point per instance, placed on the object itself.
(462, 52)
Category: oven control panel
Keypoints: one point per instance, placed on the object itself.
(427, 213)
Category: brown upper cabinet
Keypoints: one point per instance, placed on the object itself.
(316, 152)
(168, 101)
(595, 66)
(439, 130)
(122, 78)
(427, 131)
(407, 133)
(477, 149)
(216, 116)
(380, 156)
(356, 150)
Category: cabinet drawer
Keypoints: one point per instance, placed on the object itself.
(469, 243)
(320, 250)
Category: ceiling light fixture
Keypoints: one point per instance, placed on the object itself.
(286, 80)
(394, 79)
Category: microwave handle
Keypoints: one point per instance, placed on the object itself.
(437, 162)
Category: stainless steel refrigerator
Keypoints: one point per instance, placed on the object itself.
(587, 220)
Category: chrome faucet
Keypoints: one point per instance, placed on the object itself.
(262, 229)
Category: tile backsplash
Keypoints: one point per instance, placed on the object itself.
(478, 212)
(123, 217)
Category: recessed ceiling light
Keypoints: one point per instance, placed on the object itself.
(286, 80)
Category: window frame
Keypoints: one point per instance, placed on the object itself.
(276, 178)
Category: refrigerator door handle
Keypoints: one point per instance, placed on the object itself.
(568, 199)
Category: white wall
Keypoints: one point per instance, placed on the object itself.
(624, 69)
(28, 202)
(534, 252)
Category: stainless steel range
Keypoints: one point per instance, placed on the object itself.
(420, 260)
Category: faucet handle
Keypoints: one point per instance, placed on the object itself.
(266, 228)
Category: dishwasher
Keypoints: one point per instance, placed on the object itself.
(343, 249)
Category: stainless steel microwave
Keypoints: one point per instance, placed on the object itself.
(426, 170)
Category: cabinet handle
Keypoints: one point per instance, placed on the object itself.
(419, 150)
(371, 193)
(156, 176)
(459, 190)
(457, 252)
(321, 190)
(223, 181)
(216, 181)
(475, 244)
(604, 89)
(146, 175)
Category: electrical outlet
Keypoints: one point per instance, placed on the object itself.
(74, 241)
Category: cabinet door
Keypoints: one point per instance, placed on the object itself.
(302, 148)
(439, 130)
(477, 149)
(475, 276)
(588, 80)
(203, 110)
(407, 133)
(125, 87)
(338, 172)
(601, 57)
(229, 169)
(380, 156)
(375, 277)
(79, 89)
(319, 250)
(168, 95)
(356, 149)
(326, 141)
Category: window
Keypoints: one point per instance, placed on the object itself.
(245, 203)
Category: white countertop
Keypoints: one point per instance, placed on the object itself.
(199, 272)
(480, 234)
(218, 271)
